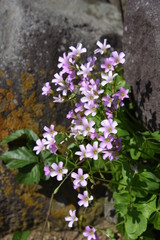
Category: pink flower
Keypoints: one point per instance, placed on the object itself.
(107, 100)
(81, 153)
(85, 70)
(51, 144)
(102, 47)
(58, 99)
(91, 108)
(108, 127)
(64, 63)
(108, 78)
(111, 155)
(89, 97)
(58, 171)
(47, 170)
(106, 142)
(86, 127)
(80, 178)
(70, 114)
(76, 52)
(122, 93)
(118, 58)
(46, 90)
(84, 199)
(40, 146)
(49, 131)
(92, 151)
(72, 218)
(108, 64)
(58, 78)
(89, 233)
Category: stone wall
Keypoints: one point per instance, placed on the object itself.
(142, 48)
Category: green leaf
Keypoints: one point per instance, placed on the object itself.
(60, 137)
(19, 133)
(21, 235)
(156, 135)
(151, 181)
(156, 220)
(31, 135)
(31, 177)
(122, 202)
(135, 224)
(19, 158)
(147, 206)
(135, 154)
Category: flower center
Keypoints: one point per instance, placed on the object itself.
(95, 152)
(86, 199)
(60, 170)
(110, 129)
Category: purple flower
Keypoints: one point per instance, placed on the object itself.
(109, 113)
(108, 78)
(91, 108)
(135, 169)
(106, 142)
(108, 127)
(64, 63)
(81, 153)
(93, 135)
(79, 107)
(92, 151)
(92, 60)
(118, 58)
(102, 47)
(58, 78)
(47, 170)
(85, 70)
(51, 144)
(49, 131)
(58, 99)
(111, 155)
(89, 233)
(46, 90)
(122, 93)
(108, 64)
(86, 127)
(80, 178)
(40, 146)
(58, 171)
(84, 199)
(118, 144)
(76, 52)
(89, 97)
(70, 114)
(72, 218)
(107, 100)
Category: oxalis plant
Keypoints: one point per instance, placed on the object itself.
(103, 137)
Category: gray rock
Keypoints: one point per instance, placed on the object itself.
(32, 36)
(142, 47)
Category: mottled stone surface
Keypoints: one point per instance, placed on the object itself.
(142, 47)
(32, 36)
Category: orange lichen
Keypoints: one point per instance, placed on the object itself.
(27, 81)
(1, 73)
(9, 96)
(9, 82)
(42, 72)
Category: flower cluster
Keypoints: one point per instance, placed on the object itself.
(93, 117)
